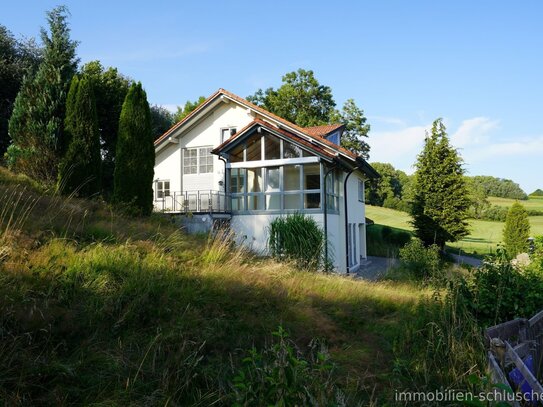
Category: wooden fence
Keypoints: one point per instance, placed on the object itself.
(510, 344)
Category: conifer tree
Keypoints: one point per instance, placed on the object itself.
(441, 198)
(135, 156)
(36, 125)
(517, 230)
(79, 170)
(69, 121)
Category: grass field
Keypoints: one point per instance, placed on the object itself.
(535, 203)
(484, 237)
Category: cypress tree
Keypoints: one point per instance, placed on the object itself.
(135, 155)
(79, 170)
(69, 121)
(517, 230)
(441, 199)
(36, 125)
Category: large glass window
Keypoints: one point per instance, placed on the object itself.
(272, 147)
(162, 189)
(236, 154)
(272, 178)
(254, 180)
(290, 150)
(332, 190)
(198, 161)
(312, 176)
(291, 177)
(254, 149)
(190, 161)
(237, 180)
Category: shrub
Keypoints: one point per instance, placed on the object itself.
(498, 291)
(280, 376)
(517, 230)
(420, 261)
(297, 238)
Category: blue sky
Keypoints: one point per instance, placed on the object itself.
(479, 65)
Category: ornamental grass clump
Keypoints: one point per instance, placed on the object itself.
(297, 238)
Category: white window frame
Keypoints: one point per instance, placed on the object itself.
(229, 130)
(199, 156)
(161, 190)
(361, 191)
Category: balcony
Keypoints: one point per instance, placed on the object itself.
(201, 201)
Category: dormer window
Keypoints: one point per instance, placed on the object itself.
(334, 138)
(226, 133)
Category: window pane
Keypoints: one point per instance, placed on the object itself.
(254, 180)
(291, 174)
(293, 201)
(254, 151)
(272, 179)
(273, 201)
(237, 180)
(312, 201)
(312, 176)
(238, 203)
(272, 147)
(291, 151)
(306, 154)
(255, 202)
(236, 155)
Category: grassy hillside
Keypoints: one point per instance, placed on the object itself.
(535, 203)
(484, 236)
(100, 309)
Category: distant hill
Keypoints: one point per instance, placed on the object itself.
(537, 192)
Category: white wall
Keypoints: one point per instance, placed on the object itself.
(168, 167)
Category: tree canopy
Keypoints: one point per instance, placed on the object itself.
(440, 196)
(517, 230)
(302, 100)
(500, 187)
(161, 120)
(79, 170)
(18, 58)
(37, 121)
(187, 108)
(135, 157)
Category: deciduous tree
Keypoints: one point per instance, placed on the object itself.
(187, 108)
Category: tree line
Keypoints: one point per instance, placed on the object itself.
(85, 131)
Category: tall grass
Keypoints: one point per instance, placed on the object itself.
(297, 238)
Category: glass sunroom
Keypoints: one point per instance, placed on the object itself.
(266, 173)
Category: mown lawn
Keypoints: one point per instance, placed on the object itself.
(484, 236)
(535, 203)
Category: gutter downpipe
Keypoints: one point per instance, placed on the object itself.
(346, 216)
(226, 200)
(326, 217)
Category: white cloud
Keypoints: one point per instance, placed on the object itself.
(473, 131)
(525, 147)
(399, 147)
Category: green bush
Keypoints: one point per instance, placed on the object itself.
(498, 291)
(516, 230)
(421, 262)
(297, 238)
(280, 376)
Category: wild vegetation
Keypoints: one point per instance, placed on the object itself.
(101, 308)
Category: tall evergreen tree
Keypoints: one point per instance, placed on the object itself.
(441, 199)
(70, 120)
(79, 170)
(17, 59)
(135, 158)
(517, 230)
(110, 88)
(37, 122)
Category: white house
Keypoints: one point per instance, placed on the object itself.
(232, 159)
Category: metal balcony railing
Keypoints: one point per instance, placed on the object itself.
(200, 201)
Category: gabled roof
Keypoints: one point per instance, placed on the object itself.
(291, 128)
(232, 141)
(324, 130)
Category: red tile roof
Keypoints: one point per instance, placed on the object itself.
(263, 112)
(322, 131)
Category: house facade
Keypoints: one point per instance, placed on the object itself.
(230, 159)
